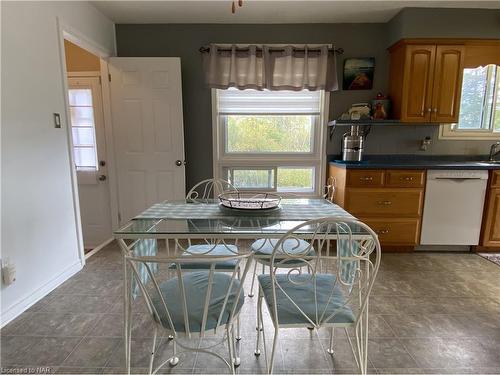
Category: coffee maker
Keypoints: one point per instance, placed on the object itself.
(352, 144)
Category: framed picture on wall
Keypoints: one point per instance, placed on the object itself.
(358, 73)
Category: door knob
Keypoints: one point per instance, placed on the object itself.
(102, 177)
(178, 163)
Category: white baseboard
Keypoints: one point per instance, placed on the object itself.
(19, 307)
(98, 248)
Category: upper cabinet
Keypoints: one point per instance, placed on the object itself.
(425, 81)
(447, 87)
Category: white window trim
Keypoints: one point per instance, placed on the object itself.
(222, 160)
(446, 132)
(451, 132)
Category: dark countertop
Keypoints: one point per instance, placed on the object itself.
(417, 162)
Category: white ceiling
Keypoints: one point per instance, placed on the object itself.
(270, 11)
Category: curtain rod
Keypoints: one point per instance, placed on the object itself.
(205, 49)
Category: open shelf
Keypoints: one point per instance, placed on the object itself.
(365, 122)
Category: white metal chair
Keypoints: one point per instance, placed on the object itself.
(263, 247)
(334, 292)
(203, 192)
(190, 304)
(329, 192)
(209, 189)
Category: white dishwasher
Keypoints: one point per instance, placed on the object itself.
(453, 207)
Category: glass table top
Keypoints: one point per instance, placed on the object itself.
(198, 219)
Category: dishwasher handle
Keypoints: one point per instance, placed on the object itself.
(458, 179)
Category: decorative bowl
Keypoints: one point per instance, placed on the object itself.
(249, 201)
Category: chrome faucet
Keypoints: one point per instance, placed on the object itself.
(494, 150)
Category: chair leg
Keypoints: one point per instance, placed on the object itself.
(273, 351)
(237, 359)
(259, 324)
(238, 331)
(153, 351)
(174, 360)
(253, 279)
(330, 347)
(230, 349)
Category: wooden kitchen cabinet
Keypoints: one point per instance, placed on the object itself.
(404, 178)
(490, 236)
(426, 81)
(447, 87)
(389, 201)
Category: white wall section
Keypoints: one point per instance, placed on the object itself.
(39, 230)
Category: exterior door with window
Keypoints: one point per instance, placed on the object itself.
(89, 150)
(146, 105)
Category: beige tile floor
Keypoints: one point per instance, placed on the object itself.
(430, 314)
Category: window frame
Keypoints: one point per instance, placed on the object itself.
(316, 158)
(451, 132)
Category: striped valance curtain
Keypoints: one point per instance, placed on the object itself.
(273, 68)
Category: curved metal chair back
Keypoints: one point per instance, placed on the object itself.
(329, 192)
(209, 189)
(172, 314)
(336, 281)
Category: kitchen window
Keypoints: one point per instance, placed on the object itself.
(479, 116)
(269, 140)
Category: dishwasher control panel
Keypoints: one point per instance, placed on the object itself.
(457, 174)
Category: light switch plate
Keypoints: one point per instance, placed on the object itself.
(57, 121)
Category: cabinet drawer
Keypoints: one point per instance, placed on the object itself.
(384, 202)
(395, 231)
(495, 178)
(404, 178)
(365, 177)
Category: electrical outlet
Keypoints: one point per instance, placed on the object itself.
(8, 271)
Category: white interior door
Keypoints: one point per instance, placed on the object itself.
(89, 148)
(146, 105)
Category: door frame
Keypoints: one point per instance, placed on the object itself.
(67, 32)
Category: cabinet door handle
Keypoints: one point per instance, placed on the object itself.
(383, 231)
(366, 178)
(435, 110)
(384, 203)
(406, 178)
(429, 110)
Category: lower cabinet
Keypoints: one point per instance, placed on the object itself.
(389, 201)
(491, 220)
(395, 231)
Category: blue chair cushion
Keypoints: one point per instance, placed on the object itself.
(301, 289)
(195, 286)
(207, 250)
(265, 247)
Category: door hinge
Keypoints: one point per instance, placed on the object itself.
(109, 77)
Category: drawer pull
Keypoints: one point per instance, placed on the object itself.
(366, 178)
(384, 203)
(383, 231)
(407, 178)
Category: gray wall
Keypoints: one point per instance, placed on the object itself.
(444, 23)
(358, 40)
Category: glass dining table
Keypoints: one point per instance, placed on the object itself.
(206, 220)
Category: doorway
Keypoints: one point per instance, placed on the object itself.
(88, 145)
